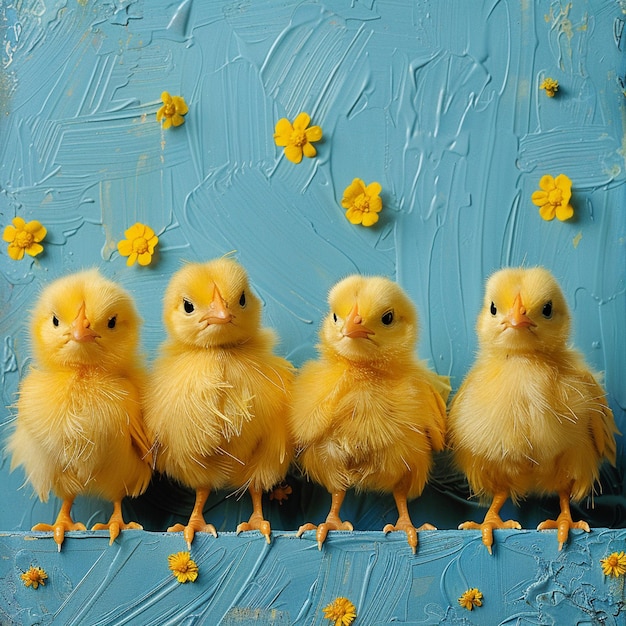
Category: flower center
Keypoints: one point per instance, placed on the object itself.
(555, 197)
(140, 245)
(298, 138)
(613, 560)
(362, 203)
(169, 109)
(23, 239)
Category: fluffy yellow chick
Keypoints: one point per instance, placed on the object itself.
(530, 417)
(366, 414)
(217, 399)
(79, 428)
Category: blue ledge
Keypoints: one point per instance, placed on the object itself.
(288, 582)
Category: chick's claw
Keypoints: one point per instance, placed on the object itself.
(488, 526)
(322, 529)
(194, 526)
(411, 532)
(256, 523)
(115, 526)
(59, 528)
(563, 523)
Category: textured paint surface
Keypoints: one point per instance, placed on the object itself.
(438, 101)
(242, 580)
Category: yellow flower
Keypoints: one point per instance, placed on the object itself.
(614, 564)
(172, 111)
(362, 202)
(551, 86)
(471, 598)
(553, 197)
(23, 237)
(183, 567)
(341, 612)
(297, 138)
(139, 244)
(34, 577)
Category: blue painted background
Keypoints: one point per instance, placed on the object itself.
(438, 101)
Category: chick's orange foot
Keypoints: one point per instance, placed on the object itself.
(563, 523)
(490, 523)
(256, 522)
(62, 524)
(195, 525)
(331, 523)
(411, 532)
(116, 524)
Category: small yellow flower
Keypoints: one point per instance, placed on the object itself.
(183, 567)
(297, 139)
(23, 237)
(172, 111)
(34, 577)
(139, 244)
(362, 202)
(471, 598)
(341, 612)
(553, 197)
(551, 86)
(614, 564)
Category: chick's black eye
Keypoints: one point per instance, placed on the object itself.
(188, 306)
(242, 300)
(387, 318)
(112, 321)
(493, 309)
(55, 320)
(547, 310)
(335, 317)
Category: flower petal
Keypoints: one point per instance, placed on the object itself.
(131, 259)
(283, 132)
(314, 133)
(135, 231)
(373, 189)
(302, 121)
(354, 216)
(353, 190)
(34, 249)
(180, 105)
(547, 183)
(376, 204)
(564, 212)
(18, 222)
(9, 233)
(161, 113)
(293, 153)
(539, 198)
(167, 122)
(309, 150)
(15, 252)
(166, 98)
(547, 212)
(369, 219)
(177, 120)
(124, 247)
(565, 185)
(144, 258)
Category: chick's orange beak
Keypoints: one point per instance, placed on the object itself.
(81, 327)
(354, 327)
(516, 317)
(218, 312)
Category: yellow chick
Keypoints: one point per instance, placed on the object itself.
(530, 417)
(366, 414)
(217, 399)
(79, 427)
